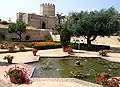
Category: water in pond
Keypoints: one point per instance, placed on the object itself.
(47, 67)
(87, 68)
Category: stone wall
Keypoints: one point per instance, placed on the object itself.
(46, 17)
(34, 34)
(37, 20)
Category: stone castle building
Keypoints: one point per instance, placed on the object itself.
(45, 20)
(39, 26)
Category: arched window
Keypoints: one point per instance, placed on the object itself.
(43, 25)
(27, 37)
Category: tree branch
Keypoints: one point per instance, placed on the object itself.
(93, 38)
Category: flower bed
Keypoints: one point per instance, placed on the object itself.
(42, 45)
(12, 46)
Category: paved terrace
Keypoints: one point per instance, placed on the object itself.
(27, 57)
(58, 82)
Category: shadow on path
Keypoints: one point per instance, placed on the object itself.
(5, 64)
(115, 49)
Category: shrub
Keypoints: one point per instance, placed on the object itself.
(118, 39)
(47, 47)
(65, 37)
(8, 57)
(91, 47)
(4, 22)
(103, 52)
(2, 46)
(21, 47)
(11, 48)
(28, 44)
(78, 74)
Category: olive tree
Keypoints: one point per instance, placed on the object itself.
(18, 28)
(105, 22)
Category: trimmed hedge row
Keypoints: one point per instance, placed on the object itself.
(47, 47)
(92, 47)
(43, 47)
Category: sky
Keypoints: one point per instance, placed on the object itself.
(9, 8)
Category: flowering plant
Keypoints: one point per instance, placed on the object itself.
(8, 57)
(108, 82)
(43, 43)
(103, 52)
(21, 47)
(18, 75)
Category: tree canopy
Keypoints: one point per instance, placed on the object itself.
(65, 35)
(105, 22)
(18, 28)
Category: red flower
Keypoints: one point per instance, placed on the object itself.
(105, 81)
(19, 75)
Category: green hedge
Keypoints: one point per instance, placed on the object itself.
(92, 47)
(47, 47)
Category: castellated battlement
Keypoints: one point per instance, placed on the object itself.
(47, 5)
(47, 9)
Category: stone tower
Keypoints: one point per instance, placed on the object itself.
(47, 9)
(19, 16)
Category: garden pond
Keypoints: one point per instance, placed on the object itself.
(86, 69)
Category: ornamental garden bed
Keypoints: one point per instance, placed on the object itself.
(11, 47)
(87, 69)
(43, 45)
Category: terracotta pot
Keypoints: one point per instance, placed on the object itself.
(13, 80)
(16, 81)
(65, 48)
(10, 61)
(34, 53)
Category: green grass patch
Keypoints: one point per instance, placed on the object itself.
(89, 68)
(86, 69)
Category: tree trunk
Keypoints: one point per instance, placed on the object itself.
(88, 41)
(20, 37)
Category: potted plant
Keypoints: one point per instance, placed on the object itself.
(69, 50)
(2, 46)
(103, 52)
(9, 58)
(18, 75)
(21, 47)
(65, 38)
(34, 51)
(11, 48)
